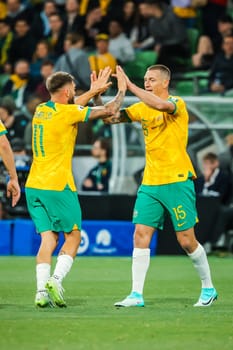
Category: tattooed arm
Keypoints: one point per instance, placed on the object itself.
(119, 117)
(112, 107)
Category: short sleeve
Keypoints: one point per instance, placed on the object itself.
(133, 112)
(178, 103)
(2, 129)
(77, 113)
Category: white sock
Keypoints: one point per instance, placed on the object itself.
(63, 266)
(140, 265)
(42, 275)
(201, 264)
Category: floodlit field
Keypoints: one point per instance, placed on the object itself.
(168, 321)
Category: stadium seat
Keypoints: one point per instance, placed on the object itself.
(193, 35)
(184, 88)
(229, 93)
(192, 83)
(137, 68)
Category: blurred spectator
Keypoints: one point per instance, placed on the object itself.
(210, 14)
(56, 35)
(98, 177)
(46, 70)
(16, 9)
(229, 140)
(14, 124)
(214, 181)
(20, 84)
(22, 160)
(221, 72)
(41, 54)
(75, 61)
(169, 33)
(6, 37)
(140, 34)
(102, 57)
(23, 43)
(204, 56)
(128, 16)
(207, 48)
(185, 10)
(41, 25)
(22, 164)
(2, 9)
(106, 6)
(73, 21)
(95, 23)
(119, 45)
(224, 27)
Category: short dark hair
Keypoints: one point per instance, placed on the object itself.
(157, 3)
(74, 37)
(163, 69)
(211, 156)
(105, 144)
(47, 62)
(5, 21)
(225, 18)
(57, 80)
(8, 104)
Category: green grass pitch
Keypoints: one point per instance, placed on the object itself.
(167, 322)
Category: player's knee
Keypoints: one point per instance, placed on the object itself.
(74, 237)
(141, 238)
(186, 243)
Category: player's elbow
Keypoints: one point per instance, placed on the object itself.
(160, 106)
(4, 144)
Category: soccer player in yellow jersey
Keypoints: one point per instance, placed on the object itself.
(167, 183)
(50, 189)
(6, 153)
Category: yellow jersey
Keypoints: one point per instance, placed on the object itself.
(2, 129)
(54, 132)
(98, 62)
(166, 137)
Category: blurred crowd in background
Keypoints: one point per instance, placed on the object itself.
(40, 37)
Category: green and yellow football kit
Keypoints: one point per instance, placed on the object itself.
(50, 188)
(2, 129)
(167, 181)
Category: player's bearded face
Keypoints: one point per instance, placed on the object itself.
(71, 100)
(71, 97)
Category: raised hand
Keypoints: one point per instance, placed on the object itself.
(121, 79)
(114, 119)
(101, 83)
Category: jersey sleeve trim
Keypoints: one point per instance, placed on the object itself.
(175, 105)
(126, 115)
(87, 115)
(3, 132)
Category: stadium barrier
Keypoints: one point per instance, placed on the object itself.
(99, 238)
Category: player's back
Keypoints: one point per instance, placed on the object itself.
(53, 139)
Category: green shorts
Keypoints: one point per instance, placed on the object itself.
(54, 210)
(178, 199)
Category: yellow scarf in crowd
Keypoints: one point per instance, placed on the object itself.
(102, 3)
(3, 11)
(18, 83)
